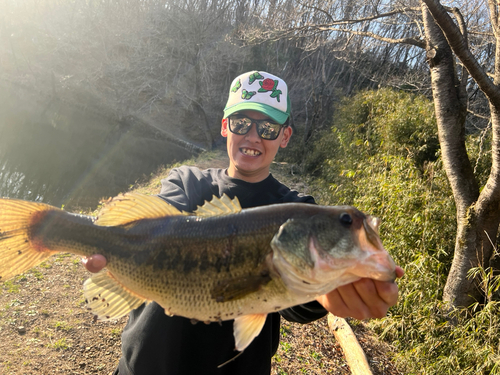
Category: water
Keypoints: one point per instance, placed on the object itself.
(60, 155)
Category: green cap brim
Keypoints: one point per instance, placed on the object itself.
(278, 116)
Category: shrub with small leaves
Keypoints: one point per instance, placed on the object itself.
(382, 155)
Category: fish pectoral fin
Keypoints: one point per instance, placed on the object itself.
(236, 288)
(131, 207)
(219, 206)
(108, 298)
(246, 328)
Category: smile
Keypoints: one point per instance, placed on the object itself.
(250, 152)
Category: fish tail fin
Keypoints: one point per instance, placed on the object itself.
(18, 253)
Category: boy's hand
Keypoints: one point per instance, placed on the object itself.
(94, 263)
(363, 299)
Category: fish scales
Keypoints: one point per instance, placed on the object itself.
(217, 264)
(181, 267)
(186, 264)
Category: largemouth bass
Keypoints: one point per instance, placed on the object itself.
(218, 263)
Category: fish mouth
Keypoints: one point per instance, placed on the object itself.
(378, 265)
(250, 151)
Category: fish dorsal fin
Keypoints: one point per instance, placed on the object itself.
(108, 298)
(130, 207)
(219, 206)
(246, 328)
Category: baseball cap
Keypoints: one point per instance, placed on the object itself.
(259, 91)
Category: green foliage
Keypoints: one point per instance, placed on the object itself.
(63, 326)
(479, 150)
(382, 156)
(38, 274)
(374, 122)
(60, 344)
(10, 287)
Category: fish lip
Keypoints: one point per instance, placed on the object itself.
(371, 225)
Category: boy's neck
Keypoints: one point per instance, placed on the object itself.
(252, 177)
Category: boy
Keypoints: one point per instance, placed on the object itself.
(255, 124)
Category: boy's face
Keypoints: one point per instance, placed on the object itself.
(249, 155)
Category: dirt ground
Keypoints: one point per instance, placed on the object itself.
(45, 329)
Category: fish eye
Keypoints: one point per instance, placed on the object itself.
(345, 218)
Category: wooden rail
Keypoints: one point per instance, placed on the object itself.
(354, 354)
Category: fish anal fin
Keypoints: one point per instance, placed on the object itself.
(236, 288)
(130, 207)
(108, 298)
(219, 206)
(246, 328)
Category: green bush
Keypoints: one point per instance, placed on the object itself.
(382, 155)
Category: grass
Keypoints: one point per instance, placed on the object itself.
(38, 275)
(285, 346)
(116, 332)
(10, 287)
(60, 344)
(63, 326)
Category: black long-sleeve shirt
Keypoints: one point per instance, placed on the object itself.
(156, 344)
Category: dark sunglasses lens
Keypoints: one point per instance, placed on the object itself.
(240, 125)
(268, 130)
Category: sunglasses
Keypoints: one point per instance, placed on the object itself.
(266, 129)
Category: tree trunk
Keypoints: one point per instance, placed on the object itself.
(451, 109)
(479, 226)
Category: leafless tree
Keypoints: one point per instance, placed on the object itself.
(336, 56)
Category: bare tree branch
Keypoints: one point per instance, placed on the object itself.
(305, 5)
(411, 41)
(494, 17)
(463, 30)
(478, 115)
(458, 45)
(363, 19)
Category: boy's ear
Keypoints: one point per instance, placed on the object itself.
(223, 129)
(287, 134)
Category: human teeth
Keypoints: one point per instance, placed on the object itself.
(250, 152)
